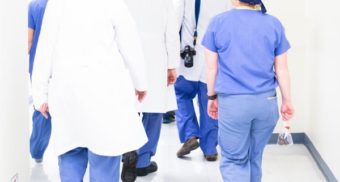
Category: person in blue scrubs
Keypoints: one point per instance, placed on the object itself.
(196, 129)
(246, 54)
(41, 130)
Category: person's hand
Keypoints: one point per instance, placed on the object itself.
(140, 95)
(171, 76)
(44, 109)
(287, 110)
(213, 109)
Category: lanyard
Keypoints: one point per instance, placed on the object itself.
(197, 14)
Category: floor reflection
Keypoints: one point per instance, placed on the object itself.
(38, 174)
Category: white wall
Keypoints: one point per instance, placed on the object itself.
(14, 122)
(313, 27)
(291, 14)
(323, 78)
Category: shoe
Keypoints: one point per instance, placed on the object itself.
(169, 117)
(211, 158)
(188, 146)
(168, 120)
(38, 161)
(146, 170)
(129, 166)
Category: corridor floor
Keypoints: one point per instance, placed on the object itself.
(280, 164)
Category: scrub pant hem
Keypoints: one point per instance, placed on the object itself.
(152, 124)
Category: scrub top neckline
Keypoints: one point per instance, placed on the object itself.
(245, 9)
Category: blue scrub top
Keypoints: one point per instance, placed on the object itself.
(247, 43)
(36, 10)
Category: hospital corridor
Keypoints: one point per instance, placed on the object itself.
(169, 91)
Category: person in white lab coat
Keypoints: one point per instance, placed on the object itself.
(86, 55)
(158, 29)
(169, 117)
(192, 80)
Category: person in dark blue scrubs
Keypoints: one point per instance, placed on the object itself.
(41, 130)
(246, 54)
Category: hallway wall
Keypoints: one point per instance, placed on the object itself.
(313, 29)
(323, 79)
(14, 122)
(291, 15)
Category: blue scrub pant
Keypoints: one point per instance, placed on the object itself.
(152, 124)
(73, 164)
(246, 123)
(186, 119)
(40, 136)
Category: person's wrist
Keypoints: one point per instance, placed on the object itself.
(286, 101)
(212, 97)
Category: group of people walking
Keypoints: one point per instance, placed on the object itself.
(104, 72)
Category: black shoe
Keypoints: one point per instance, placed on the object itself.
(169, 117)
(146, 170)
(129, 167)
(188, 146)
(211, 158)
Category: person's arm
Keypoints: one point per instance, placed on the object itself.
(42, 71)
(282, 75)
(172, 44)
(211, 62)
(31, 25)
(130, 47)
(211, 57)
(30, 38)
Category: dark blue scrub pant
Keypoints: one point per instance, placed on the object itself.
(246, 123)
(40, 137)
(186, 118)
(73, 164)
(152, 124)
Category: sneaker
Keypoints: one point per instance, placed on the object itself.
(211, 158)
(187, 147)
(147, 170)
(129, 166)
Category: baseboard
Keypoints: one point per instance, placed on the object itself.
(302, 138)
(319, 161)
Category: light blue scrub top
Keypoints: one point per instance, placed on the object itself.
(36, 10)
(247, 43)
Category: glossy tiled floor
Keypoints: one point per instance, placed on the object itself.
(281, 164)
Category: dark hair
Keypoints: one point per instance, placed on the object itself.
(256, 2)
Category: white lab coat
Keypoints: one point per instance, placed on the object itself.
(186, 10)
(87, 54)
(158, 28)
(179, 10)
